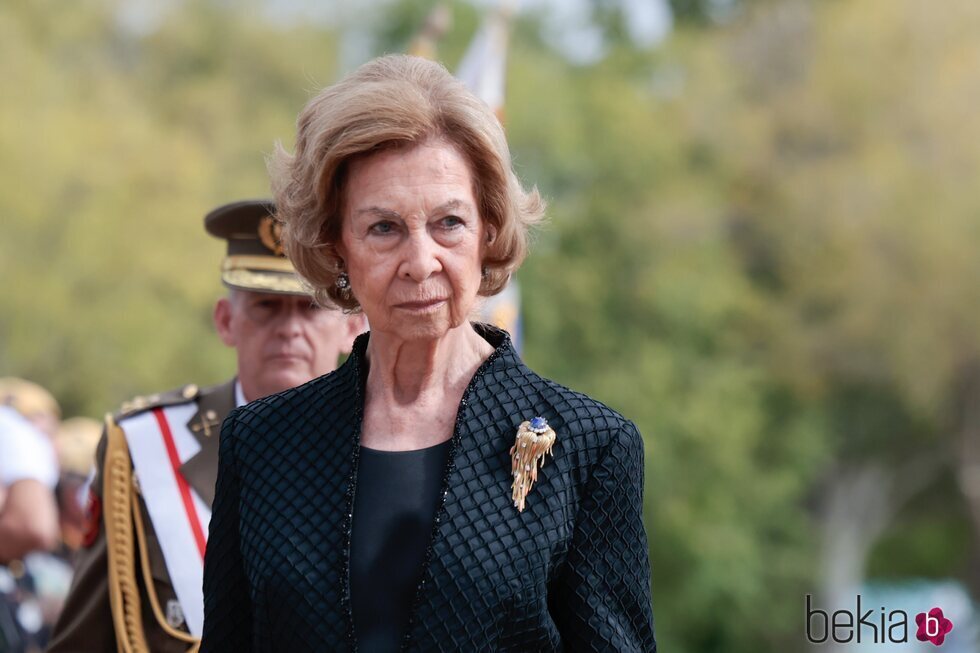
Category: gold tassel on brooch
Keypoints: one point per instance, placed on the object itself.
(534, 439)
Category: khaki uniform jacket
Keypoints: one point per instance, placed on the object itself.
(86, 622)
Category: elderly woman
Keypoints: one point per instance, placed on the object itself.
(432, 494)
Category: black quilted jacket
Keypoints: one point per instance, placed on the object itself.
(569, 573)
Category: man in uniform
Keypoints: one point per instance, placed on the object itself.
(138, 580)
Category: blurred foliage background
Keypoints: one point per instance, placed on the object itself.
(762, 249)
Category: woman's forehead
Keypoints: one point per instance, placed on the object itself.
(429, 177)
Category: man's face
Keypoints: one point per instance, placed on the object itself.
(281, 340)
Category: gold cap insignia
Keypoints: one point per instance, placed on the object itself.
(270, 233)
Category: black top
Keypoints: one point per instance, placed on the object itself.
(394, 506)
(570, 573)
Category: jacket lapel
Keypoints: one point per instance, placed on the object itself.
(201, 469)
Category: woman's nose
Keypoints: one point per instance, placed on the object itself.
(421, 258)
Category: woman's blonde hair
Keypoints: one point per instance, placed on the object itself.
(391, 102)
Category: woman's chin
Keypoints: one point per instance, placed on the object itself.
(431, 326)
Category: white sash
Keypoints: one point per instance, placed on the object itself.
(159, 443)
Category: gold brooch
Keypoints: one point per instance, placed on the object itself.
(534, 439)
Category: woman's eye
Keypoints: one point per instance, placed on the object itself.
(382, 228)
(452, 221)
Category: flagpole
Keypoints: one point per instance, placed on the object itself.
(483, 69)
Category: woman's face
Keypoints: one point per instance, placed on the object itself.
(412, 239)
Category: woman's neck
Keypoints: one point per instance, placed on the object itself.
(414, 387)
(406, 371)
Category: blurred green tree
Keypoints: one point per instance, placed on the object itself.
(117, 142)
(859, 219)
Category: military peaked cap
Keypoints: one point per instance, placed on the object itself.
(255, 259)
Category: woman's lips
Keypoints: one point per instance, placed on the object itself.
(421, 306)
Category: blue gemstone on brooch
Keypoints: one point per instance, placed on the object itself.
(539, 424)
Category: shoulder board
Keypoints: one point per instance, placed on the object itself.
(141, 404)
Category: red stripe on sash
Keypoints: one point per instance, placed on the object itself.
(185, 490)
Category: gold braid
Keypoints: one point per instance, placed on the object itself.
(151, 589)
(124, 595)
